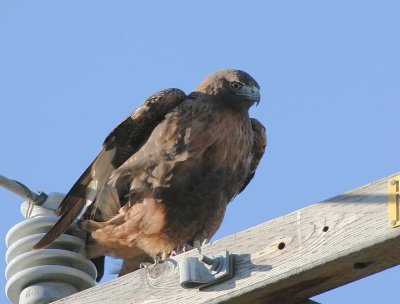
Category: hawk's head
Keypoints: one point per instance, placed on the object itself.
(234, 87)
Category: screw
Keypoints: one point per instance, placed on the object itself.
(393, 222)
(213, 262)
(392, 182)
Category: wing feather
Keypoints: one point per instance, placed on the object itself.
(119, 145)
(260, 143)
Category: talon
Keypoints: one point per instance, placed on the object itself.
(187, 247)
(164, 256)
(181, 248)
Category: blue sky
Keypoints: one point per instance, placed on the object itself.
(328, 71)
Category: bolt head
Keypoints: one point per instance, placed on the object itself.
(392, 182)
(393, 222)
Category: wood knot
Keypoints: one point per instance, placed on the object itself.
(156, 270)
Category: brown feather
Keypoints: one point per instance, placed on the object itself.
(59, 227)
(260, 143)
(82, 193)
(178, 162)
(69, 208)
(193, 163)
(119, 145)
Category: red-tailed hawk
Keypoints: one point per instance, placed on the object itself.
(166, 174)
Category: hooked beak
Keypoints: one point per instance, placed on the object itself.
(252, 92)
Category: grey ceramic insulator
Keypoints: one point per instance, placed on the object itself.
(45, 275)
(45, 292)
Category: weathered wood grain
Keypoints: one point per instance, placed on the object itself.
(326, 245)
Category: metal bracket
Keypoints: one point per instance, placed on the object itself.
(394, 201)
(203, 271)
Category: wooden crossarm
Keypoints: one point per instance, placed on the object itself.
(285, 260)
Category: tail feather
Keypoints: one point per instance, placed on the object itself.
(63, 223)
(99, 264)
(81, 195)
(69, 209)
(78, 191)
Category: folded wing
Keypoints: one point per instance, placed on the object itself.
(120, 144)
(260, 143)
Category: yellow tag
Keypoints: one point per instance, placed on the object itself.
(393, 198)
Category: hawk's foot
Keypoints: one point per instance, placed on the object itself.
(185, 247)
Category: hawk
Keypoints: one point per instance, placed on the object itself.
(165, 175)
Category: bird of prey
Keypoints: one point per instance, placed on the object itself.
(165, 175)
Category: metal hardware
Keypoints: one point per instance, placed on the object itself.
(394, 201)
(202, 271)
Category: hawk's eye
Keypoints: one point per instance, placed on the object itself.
(236, 85)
